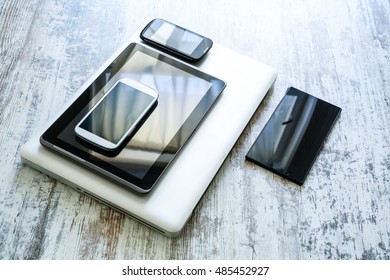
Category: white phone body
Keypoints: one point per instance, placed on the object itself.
(116, 115)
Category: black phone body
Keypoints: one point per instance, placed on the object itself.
(175, 39)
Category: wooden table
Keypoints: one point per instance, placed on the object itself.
(336, 50)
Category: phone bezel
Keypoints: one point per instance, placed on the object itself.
(104, 143)
(201, 49)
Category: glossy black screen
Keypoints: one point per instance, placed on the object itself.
(293, 136)
(176, 40)
(175, 37)
(185, 96)
(117, 112)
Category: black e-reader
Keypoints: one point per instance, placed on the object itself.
(293, 136)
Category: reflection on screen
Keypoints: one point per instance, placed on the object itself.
(280, 138)
(293, 136)
(178, 38)
(179, 93)
(185, 95)
(118, 111)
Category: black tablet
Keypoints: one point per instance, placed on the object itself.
(185, 95)
(294, 135)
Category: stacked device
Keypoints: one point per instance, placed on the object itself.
(138, 132)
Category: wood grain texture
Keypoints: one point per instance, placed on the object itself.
(336, 50)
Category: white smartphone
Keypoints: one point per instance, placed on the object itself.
(116, 115)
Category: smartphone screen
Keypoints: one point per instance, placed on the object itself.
(115, 115)
(177, 39)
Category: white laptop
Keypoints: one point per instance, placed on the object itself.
(174, 197)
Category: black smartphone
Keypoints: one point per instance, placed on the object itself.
(175, 39)
(294, 135)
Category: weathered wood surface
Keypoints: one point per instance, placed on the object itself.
(336, 50)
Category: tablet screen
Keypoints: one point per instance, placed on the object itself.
(185, 96)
